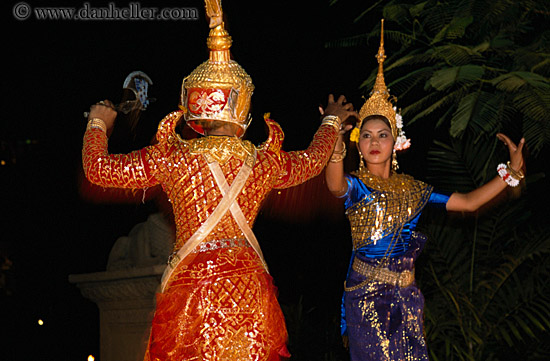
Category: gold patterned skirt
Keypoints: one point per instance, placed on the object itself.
(219, 305)
(384, 316)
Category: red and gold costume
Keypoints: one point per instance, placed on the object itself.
(220, 303)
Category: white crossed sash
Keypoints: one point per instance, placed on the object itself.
(227, 203)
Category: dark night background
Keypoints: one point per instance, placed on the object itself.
(57, 69)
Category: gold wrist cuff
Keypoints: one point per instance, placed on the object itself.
(332, 120)
(518, 174)
(338, 156)
(96, 123)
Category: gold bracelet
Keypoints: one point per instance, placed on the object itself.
(515, 173)
(96, 123)
(332, 120)
(343, 151)
(338, 156)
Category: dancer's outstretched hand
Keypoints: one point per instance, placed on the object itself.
(516, 155)
(342, 109)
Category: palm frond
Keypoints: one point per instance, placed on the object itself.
(468, 109)
(368, 10)
(348, 42)
(447, 77)
(534, 103)
(495, 110)
(441, 102)
(455, 54)
(537, 134)
(515, 80)
(410, 82)
(453, 30)
(437, 16)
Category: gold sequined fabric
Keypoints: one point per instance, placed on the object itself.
(220, 304)
(384, 321)
(392, 203)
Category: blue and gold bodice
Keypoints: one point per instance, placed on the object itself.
(384, 212)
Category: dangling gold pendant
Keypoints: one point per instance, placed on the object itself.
(394, 164)
(362, 166)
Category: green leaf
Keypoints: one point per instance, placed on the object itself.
(514, 81)
(533, 103)
(447, 77)
(455, 29)
(455, 54)
(467, 109)
(506, 337)
(417, 9)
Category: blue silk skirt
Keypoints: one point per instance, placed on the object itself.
(385, 322)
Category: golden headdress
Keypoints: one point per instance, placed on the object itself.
(219, 89)
(380, 103)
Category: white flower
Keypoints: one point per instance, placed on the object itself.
(399, 121)
(402, 142)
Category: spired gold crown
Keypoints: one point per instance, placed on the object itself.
(218, 90)
(379, 102)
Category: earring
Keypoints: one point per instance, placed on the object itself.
(394, 164)
(361, 161)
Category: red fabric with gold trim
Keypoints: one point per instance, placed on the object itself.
(221, 305)
(181, 167)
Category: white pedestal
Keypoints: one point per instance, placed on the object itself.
(126, 302)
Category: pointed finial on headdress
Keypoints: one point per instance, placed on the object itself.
(379, 103)
(218, 40)
(214, 12)
(380, 84)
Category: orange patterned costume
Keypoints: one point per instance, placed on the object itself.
(220, 302)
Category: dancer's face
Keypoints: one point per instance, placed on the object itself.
(376, 141)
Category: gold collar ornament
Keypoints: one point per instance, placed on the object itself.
(380, 103)
(218, 90)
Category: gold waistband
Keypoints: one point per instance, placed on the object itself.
(221, 243)
(211, 246)
(380, 274)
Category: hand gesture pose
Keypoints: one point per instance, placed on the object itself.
(104, 111)
(508, 175)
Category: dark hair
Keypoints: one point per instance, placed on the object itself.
(376, 116)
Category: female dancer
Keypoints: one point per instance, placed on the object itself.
(382, 306)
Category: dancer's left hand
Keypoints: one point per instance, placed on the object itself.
(516, 155)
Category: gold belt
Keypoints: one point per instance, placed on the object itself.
(380, 274)
(221, 243)
(211, 246)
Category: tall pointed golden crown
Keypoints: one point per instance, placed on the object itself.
(379, 102)
(219, 89)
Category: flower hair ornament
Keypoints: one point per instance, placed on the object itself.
(380, 103)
